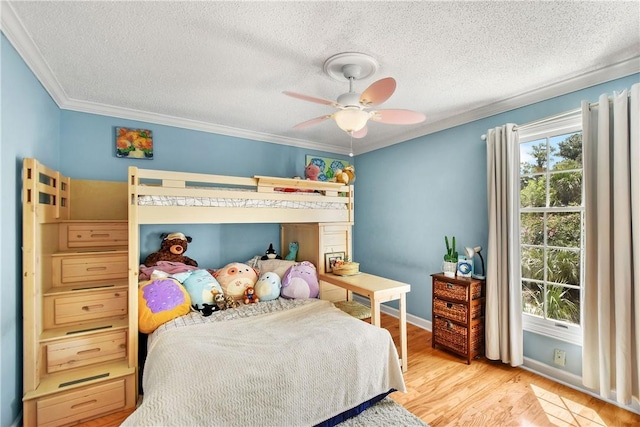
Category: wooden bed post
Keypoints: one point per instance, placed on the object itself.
(134, 267)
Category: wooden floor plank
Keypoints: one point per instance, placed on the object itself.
(444, 391)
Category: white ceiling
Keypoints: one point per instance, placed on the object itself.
(221, 66)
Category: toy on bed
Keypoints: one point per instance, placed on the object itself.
(312, 172)
(300, 281)
(159, 301)
(271, 253)
(235, 277)
(268, 286)
(230, 302)
(173, 247)
(200, 284)
(346, 176)
(250, 296)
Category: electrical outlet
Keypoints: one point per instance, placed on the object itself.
(559, 357)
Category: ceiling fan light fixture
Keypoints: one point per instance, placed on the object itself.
(351, 119)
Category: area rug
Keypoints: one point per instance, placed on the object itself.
(385, 413)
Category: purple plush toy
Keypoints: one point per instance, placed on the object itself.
(300, 281)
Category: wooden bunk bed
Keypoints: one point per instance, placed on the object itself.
(357, 367)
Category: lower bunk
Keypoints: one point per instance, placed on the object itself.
(279, 362)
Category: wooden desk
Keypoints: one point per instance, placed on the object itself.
(378, 289)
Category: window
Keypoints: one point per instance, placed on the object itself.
(551, 235)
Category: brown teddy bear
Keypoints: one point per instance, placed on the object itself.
(173, 247)
(250, 296)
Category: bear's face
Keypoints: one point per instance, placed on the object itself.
(174, 246)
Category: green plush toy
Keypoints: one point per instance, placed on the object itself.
(293, 251)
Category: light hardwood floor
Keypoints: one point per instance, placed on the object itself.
(444, 391)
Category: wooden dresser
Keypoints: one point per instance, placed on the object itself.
(315, 240)
(78, 363)
(458, 315)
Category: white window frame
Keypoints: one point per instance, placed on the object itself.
(571, 122)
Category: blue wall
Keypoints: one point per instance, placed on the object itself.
(30, 128)
(408, 195)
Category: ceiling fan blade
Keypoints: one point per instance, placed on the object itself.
(310, 98)
(312, 121)
(378, 92)
(397, 117)
(361, 133)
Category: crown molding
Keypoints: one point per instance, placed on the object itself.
(13, 29)
(602, 75)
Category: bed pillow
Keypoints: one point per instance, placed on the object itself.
(235, 277)
(278, 266)
(159, 301)
(199, 284)
(300, 281)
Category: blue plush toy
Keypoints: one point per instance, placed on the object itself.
(199, 284)
(293, 251)
(268, 286)
(300, 281)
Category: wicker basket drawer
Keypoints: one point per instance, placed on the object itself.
(447, 290)
(66, 408)
(454, 336)
(96, 235)
(86, 351)
(455, 311)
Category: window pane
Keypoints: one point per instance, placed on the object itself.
(533, 157)
(532, 228)
(532, 263)
(563, 304)
(533, 191)
(566, 151)
(565, 189)
(563, 229)
(532, 302)
(563, 266)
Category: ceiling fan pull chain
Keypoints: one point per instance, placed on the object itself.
(351, 142)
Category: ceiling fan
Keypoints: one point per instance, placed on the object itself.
(353, 108)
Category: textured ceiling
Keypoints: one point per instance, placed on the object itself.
(222, 66)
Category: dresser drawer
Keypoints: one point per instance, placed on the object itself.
(455, 291)
(82, 307)
(85, 351)
(95, 235)
(65, 408)
(455, 311)
(455, 336)
(74, 268)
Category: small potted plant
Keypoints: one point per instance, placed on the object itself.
(450, 264)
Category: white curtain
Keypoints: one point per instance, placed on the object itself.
(503, 317)
(611, 325)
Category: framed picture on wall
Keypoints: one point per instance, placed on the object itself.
(330, 260)
(134, 143)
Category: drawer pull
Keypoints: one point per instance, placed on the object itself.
(116, 294)
(100, 235)
(449, 286)
(96, 268)
(91, 350)
(449, 305)
(79, 405)
(449, 324)
(92, 307)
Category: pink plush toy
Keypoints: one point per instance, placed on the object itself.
(312, 172)
(235, 278)
(300, 281)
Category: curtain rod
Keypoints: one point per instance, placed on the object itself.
(550, 118)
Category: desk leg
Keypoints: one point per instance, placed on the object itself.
(403, 331)
(375, 312)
